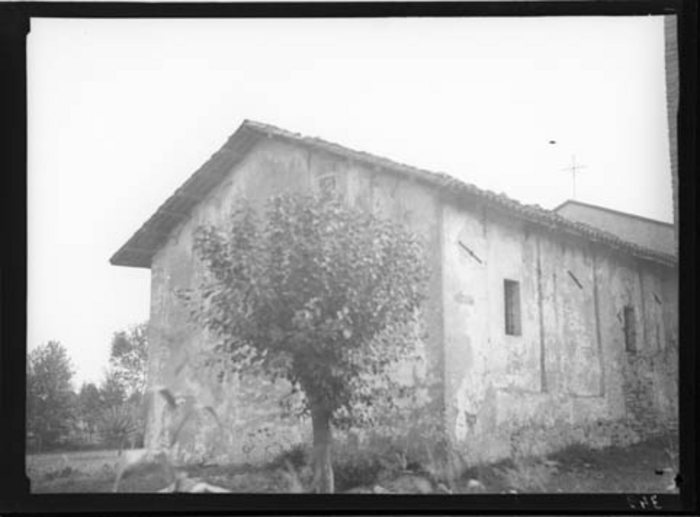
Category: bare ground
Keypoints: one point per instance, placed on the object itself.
(648, 467)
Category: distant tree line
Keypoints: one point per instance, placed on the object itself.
(110, 413)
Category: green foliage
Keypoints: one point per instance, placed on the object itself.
(315, 292)
(112, 392)
(89, 408)
(356, 467)
(60, 473)
(120, 425)
(121, 392)
(128, 359)
(528, 475)
(411, 426)
(381, 458)
(353, 466)
(49, 395)
(297, 456)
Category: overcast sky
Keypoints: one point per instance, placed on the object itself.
(121, 112)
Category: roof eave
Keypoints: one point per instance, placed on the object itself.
(139, 250)
(176, 208)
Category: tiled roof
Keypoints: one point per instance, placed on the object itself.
(140, 249)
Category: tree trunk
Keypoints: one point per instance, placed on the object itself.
(323, 467)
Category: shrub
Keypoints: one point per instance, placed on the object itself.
(298, 456)
(528, 475)
(576, 453)
(355, 467)
(353, 471)
(60, 473)
(119, 425)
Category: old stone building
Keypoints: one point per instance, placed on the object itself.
(541, 330)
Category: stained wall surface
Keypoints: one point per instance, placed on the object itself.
(568, 377)
(253, 427)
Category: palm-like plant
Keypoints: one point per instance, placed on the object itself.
(120, 425)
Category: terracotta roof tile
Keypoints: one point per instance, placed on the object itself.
(155, 231)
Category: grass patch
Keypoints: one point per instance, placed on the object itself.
(575, 469)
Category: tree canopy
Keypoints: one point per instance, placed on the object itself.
(316, 292)
(112, 392)
(128, 356)
(50, 395)
(89, 406)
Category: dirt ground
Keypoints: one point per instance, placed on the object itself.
(648, 467)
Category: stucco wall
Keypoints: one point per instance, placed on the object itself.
(247, 407)
(651, 234)
(568, 376)
(253, 427)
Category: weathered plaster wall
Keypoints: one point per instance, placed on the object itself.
(253, 429)
(568, 376)
(247, 408)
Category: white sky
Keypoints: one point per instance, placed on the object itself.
(121, 112)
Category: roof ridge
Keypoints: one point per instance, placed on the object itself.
(261, 126)
(452, 181)
(139, 250)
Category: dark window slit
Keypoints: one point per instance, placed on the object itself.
(474, 256)
(573, 277)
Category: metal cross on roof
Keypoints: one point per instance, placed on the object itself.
(573, 169)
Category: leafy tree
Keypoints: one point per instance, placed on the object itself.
(112, 391)
(315, 292)
(128, 359)
(89, 407)
(119, 425)
(49, 394)
(122, 416)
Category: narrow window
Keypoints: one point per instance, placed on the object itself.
(511, 290)
(471, 253)
(630, 329)
(576, 280)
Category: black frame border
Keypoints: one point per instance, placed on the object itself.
(15, 496)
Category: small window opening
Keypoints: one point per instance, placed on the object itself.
(328, 184)
(630, 323)
(471, 253)
(511, 291)
(576, 280)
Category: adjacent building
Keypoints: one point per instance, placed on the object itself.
(649, 233)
